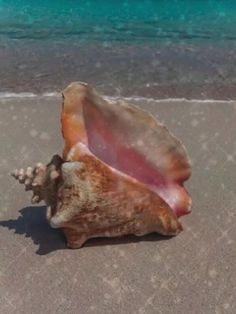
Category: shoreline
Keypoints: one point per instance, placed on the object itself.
(148, 70)
(56, 95)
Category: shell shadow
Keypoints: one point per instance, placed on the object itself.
(32, 223)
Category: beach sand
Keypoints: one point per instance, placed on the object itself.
(191, 273)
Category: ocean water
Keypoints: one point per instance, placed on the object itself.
(148, 48)
(132, 20)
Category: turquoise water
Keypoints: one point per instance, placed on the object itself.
(123, 21)
(148, 48)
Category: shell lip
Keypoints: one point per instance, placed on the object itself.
(107, 130)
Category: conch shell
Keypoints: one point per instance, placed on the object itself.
(121, 172)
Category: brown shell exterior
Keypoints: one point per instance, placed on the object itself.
(95, 202)
(89, 198)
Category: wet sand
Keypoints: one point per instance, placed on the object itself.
(191, 273)
(200, 71)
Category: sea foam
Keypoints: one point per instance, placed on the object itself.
(114, 98)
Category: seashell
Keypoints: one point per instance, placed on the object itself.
(121, 172)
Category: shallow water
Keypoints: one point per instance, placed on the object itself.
(132, 20)
(156, 49)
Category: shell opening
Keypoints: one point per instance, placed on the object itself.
(129, 140)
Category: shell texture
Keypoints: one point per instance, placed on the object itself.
(121, 172)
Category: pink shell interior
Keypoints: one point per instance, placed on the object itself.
(104, 142)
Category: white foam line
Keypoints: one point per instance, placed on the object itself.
(181, 100)
(27, 95)
(51, 94)
(114, 98)
(16, 95)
